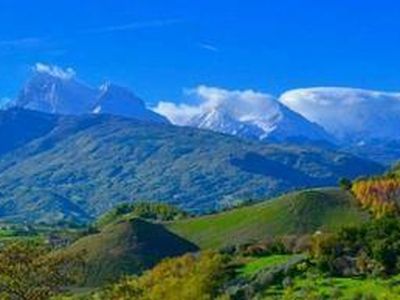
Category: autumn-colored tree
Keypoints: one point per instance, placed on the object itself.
(28, 271)
(186, 278)
(380, 196)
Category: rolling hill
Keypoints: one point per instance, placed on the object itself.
(91, 163)
(130, 245)
(294, 213)
(127, 247)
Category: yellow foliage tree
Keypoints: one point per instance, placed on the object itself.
(186, 278)
(380, 196)
(29, 272)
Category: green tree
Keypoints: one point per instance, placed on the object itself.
(345, 184)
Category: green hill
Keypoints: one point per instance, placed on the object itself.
(295, 213)
(127, 247)
(91, 163)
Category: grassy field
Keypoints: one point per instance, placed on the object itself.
(14, 234)
(337, 288)
(312, 285)
(255, 264)
(295, 213)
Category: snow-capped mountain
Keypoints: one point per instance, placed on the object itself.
(353, 116)
(220, 121)
(246, 114)
(280, 124)
(49, 93)
(116, 100)
(57, 91)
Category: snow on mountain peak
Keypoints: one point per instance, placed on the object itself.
(52, 89)
(352, 115)
(248, 114)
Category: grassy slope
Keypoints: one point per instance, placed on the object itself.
(256, 264)
(350, 288)
(299, 212)
(130, 245)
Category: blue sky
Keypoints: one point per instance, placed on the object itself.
(158, 48)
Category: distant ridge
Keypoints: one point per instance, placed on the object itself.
(92, 162)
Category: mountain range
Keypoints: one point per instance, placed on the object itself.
(56, 92)
(76, 151)
(58, 167)
(359, 121)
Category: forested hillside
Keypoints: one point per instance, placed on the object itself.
(75, 168)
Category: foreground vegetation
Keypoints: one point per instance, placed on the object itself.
(29, 270)
(315, 244)
(357, 262)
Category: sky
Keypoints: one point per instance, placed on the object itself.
(161, 48)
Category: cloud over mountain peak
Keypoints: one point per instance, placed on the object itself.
(242, 105)
(54, 71)
(245, 113)
(348, 113)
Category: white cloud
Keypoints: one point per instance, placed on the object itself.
(22, 42)
(242, 105)
(134, 26)
(179, 114)
(348, 113)
(209, 47)
(55, 71)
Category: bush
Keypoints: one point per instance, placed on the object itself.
(185, 278)
(29, 271)
(370, 249)
(345, 184)
(146, 210)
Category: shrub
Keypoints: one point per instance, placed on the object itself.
(372, 248)
(185, 278)
(29, 271)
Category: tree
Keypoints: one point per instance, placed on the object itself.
(29, 271)
(370, 248)
(185, 278)
(380, 196)
(345, 184)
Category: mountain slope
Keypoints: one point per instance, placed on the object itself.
(115, 100)
(296, 213)
(19, 127)
(97, 161)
